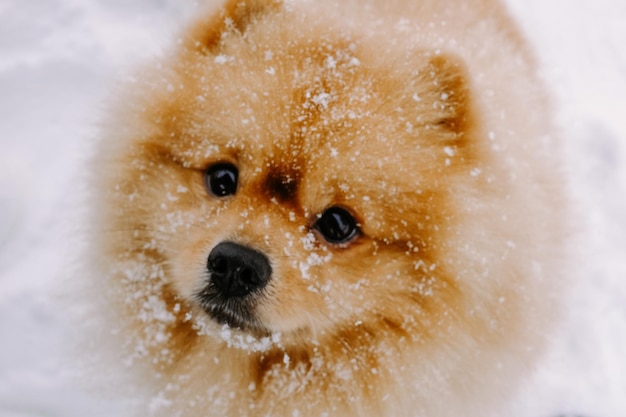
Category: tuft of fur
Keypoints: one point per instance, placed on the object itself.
(425, 120)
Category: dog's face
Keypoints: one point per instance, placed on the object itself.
(302, 186)
(306, 194)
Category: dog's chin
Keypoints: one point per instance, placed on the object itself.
(237, 320)
(236, 313)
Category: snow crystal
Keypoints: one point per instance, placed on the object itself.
(210, 150)
(331, 62)
(234, 338)
(326, 287)
(304, 270)
(322, 99)
(308, 241)
(159, 402)
(344, 373)
(222, 59)
(155, 309)
(316, 259)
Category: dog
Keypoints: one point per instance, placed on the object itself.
(330, 208)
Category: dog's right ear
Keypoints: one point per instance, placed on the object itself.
(234, 17)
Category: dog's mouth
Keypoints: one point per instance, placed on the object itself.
(236, 312)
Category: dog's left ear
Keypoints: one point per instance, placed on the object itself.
(449, 101)
(235, 16)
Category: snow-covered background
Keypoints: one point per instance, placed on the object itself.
(59, 59)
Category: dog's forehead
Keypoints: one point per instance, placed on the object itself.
(316, 100)
(309, 106)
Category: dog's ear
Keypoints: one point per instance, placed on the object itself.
(235, 16)
(442, 102)
(454, 103)
(445, 98)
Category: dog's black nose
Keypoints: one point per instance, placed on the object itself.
(236, 270)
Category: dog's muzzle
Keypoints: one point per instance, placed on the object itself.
(237, 276)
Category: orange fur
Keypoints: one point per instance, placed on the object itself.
(425, 119)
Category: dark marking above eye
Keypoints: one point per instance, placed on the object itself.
(282, 185)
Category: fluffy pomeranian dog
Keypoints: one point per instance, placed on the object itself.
(330, 208)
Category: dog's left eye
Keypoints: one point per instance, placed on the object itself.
(221, 179)
(337, 225)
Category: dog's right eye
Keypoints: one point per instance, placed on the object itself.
(221, 179)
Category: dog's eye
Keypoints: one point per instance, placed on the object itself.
(337, 225)
(221, 179)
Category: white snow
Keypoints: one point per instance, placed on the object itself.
(58, 59)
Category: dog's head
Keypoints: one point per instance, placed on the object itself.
(342, 202)
(295, 179)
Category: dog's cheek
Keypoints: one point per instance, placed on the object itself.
(293, 300)
(404, 293)
(185, 232)
(321, 298)
(188, 267)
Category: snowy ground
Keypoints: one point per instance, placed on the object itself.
(57, 60)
